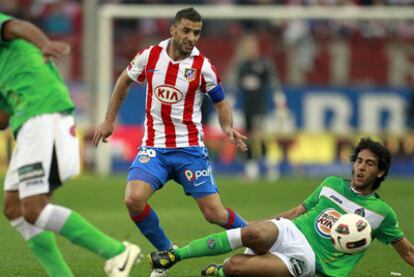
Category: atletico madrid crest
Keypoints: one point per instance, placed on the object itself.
(190, 74)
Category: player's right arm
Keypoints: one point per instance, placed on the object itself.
(134, 72)
(21, 29)
(105, 129)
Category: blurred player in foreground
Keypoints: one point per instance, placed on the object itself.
(34, 98)
(297, 242)
(172, 148)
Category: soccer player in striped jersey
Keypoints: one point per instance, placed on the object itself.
(172, 148)
(297, 242)
(37, 104)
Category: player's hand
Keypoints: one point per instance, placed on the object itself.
(236, 138)
(55, 49)
(102, 132)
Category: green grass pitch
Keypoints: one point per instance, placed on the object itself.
(100, 200)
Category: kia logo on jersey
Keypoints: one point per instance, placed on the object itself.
(168, 95)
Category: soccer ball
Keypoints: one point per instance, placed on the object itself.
(351, 234)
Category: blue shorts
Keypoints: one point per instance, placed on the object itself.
(188, 166)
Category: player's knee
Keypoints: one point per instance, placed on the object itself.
(31, 211)
(233, 265)
(252, 235)
(137, 195)
(31, 215)
(259, 237)
(134, 202)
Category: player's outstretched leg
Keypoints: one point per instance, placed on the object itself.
(214, 244)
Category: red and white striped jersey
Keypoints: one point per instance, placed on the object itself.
(175, 91)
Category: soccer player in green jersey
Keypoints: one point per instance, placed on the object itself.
(297, 242)
(36, 103)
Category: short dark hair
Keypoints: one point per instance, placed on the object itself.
(383, 154)
(188, 13)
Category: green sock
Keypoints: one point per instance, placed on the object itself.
(81, 232)
(214, 244)
(44, 247)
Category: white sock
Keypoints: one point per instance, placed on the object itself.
(53, 217)
(234, 236)
(26, 229)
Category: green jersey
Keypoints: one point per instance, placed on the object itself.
(325, 205)
(28, 85)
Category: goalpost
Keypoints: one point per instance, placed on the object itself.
(108, 12)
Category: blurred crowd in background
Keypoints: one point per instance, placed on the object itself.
(304, 53)
(62, 19)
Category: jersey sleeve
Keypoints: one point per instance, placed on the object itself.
(136, 68)
(209, 77)
(389, 231)
(3, 19)
(313, 198)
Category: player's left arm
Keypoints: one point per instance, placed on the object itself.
(211, 84)
(289, 214)
(225, 118)
(406, 250)
(292, 213)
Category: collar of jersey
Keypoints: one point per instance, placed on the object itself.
(357, 192)
(164, 44)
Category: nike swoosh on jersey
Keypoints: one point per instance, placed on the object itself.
(199, 184)
(122, 268)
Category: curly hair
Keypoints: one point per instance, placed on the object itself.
(188, 13)
(383, 154)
